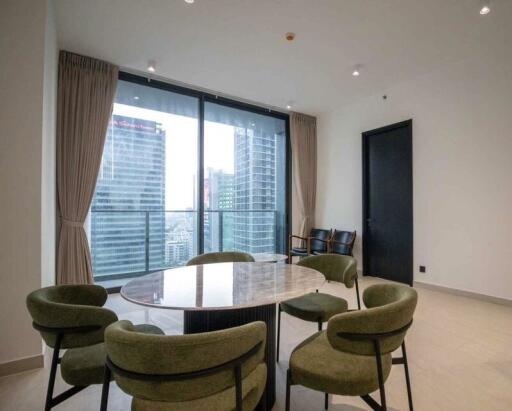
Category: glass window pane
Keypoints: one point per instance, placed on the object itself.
(144, 214)
(244, 180)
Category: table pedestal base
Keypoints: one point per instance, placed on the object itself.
(202, 321)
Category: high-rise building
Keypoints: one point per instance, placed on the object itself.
(255, 191)
(218, 220)
(128, 206)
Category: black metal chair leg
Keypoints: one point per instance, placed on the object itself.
(238, 387)
(278, 330)
(105, 389)
(288, 383)
(407, 378)
(357, 294)
(53, 373)
(380, 374)
(320, 325)
(326, 403)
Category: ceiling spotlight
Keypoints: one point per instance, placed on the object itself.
(136, 97)
(152, 66)
(485, 7)
(357, 71)
(290, 36)
(288, 106)
(189, 1)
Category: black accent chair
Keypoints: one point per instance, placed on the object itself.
(342, 242)
(316, 242)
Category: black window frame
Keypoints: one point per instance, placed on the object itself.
(204, 97)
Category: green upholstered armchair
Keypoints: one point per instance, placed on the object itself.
(72, 317)
(319, 307)
(221, 257)
(220, 370)
(353, 357)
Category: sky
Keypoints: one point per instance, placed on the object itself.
(181, 151)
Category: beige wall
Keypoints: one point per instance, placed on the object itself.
(462, 148)
(24, 89)
(48, 173)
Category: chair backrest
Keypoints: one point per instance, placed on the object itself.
(164, 355)
(390, 308)
(221, 257)
(342, 242)
(321, 234)
(70, 306)
(334, 267)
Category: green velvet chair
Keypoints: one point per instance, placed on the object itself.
(71, 317)
(319, 307)
(219, 370)
(221, 257)
(353, 357)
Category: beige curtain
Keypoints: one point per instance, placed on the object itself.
(303, 142)
(85, 96)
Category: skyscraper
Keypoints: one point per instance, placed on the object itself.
(218, 222)
(255, 191)
(129, 203)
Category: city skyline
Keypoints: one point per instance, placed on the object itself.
(158, 182)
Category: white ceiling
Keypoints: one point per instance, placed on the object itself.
(237, 47)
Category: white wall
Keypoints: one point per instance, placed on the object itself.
(48, 173)
(27, 127)
(462, 155)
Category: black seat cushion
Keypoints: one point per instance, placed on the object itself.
(299, 251)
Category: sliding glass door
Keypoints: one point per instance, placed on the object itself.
(184, 174)
(244, 180)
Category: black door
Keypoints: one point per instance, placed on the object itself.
(387, 203)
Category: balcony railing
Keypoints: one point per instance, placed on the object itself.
(126, 243)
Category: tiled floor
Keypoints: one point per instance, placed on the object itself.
(460, 354)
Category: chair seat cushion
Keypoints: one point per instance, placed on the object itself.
(317, 365)
(299, 251)
(315, 306)
(86, 365)
(252, 389)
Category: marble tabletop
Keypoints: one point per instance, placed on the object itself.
(269, 257)
(222, 286)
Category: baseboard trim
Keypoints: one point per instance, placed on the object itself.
(464, 293)
(22, 364)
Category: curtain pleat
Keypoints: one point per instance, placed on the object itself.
(85, 97)
(304, 159)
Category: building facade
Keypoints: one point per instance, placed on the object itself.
(128, 208)
(255, 191)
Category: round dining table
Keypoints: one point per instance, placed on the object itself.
(224, 295)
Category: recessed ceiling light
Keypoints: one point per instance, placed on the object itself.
(485, 7)
(189, 1)
(288, 106)
(290, 36)
(152, 66)
(356, 73)
(136, 97)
